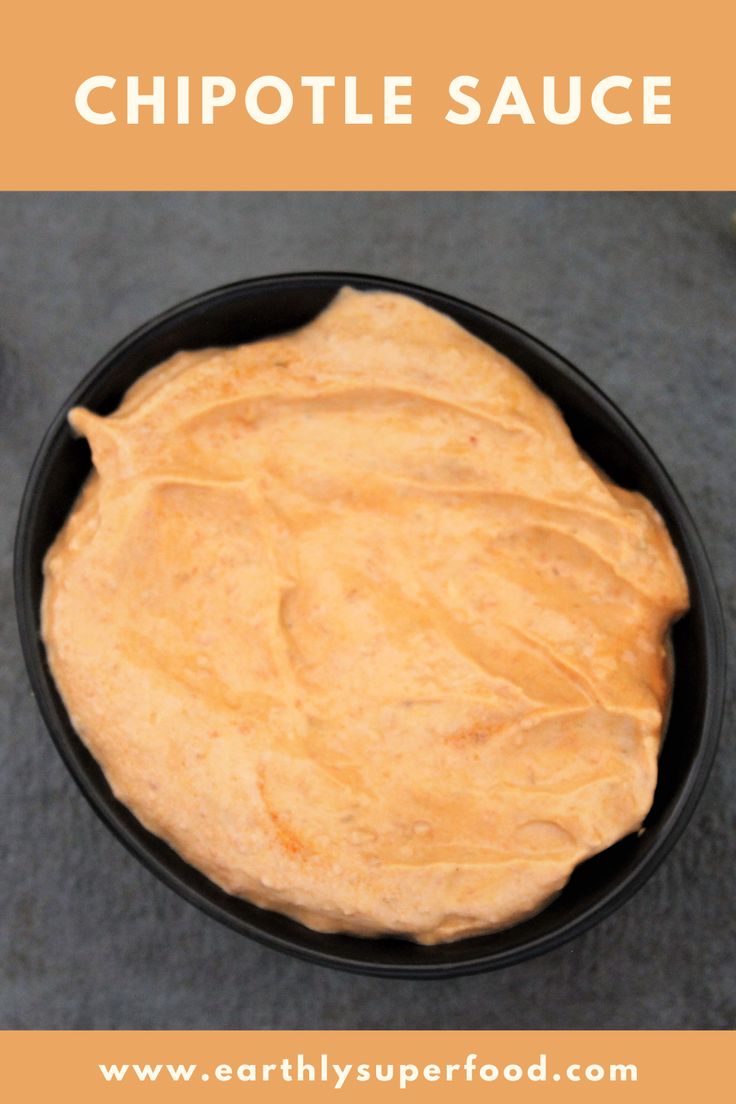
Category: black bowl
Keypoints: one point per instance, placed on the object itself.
(253, 309)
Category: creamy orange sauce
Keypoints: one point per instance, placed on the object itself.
(349, 620)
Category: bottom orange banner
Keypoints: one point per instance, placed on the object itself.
(514, 1066)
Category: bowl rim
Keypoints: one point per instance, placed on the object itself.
(669, 827)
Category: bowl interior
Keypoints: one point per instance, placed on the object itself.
(253, 309)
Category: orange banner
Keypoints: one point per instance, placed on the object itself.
(513, 1066)
(327, 95)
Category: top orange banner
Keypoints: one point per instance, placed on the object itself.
(328, 95)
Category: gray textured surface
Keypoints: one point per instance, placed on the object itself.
(640, 291)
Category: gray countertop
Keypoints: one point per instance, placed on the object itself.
(638, 290)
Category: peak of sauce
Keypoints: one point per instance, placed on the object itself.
(348, 619)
